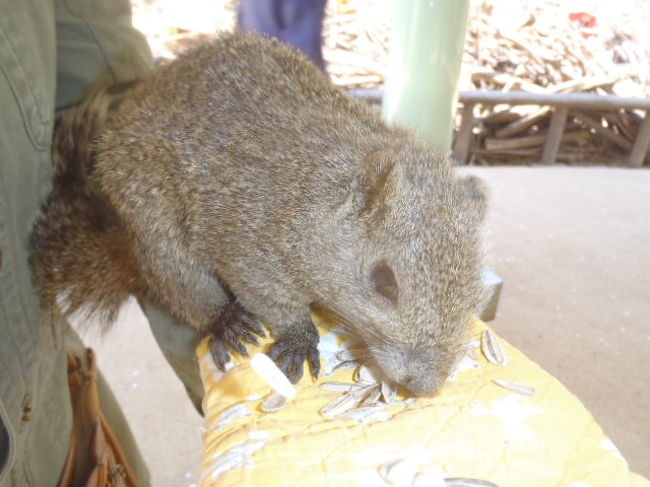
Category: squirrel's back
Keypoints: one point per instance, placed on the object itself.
(235, 104)
(259, 137)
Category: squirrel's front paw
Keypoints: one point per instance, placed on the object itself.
(291, 350)
(234, 326)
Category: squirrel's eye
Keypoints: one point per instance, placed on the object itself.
(383, 279)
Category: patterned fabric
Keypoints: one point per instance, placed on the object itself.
(473, 429)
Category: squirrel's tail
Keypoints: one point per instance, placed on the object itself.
(81, 256)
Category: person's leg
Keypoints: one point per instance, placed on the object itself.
(297, 22)
(178, 343)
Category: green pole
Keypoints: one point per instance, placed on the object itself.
(424, 67)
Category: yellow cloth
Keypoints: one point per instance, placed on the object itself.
(472, 429)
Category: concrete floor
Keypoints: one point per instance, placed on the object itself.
(573, 246)
(164, 422)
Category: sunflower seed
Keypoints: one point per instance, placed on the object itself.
(345, 355)
(372, 397)
(270, 373)
(365, 375)
(491, 348)
(336, 386)
(460, 482)
(399, 473)
(348, 364)
(357, 394)
(433, 477)
(274, 403)
(515, 387)
(387, 391)
(340, 405)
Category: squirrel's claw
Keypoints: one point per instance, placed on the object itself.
(234, 326)
(314, 362)
(290, 358)
(220, 353)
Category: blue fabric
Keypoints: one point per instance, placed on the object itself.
(297, 22)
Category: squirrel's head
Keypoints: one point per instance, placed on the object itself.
(418, 283)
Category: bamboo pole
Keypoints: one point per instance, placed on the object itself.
(495, 144)
(619, 140)
(523, 123)
(424, 67)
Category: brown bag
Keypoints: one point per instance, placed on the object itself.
(96, 458)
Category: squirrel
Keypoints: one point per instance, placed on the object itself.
(236, 184)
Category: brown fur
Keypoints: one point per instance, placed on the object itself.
(82, 257)
(238, 181)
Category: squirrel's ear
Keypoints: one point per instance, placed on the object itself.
(381, 179)
(476, 192)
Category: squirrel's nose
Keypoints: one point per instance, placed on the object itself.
(422, 386)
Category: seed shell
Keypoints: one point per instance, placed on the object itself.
(274, 403)
(462, 482)
(399, 472)
(340, 405)
(357, 394)
(387, 391)
(372, 397)
(270, 373)
(348, 364)
(365, 375)
(345, 355)
(336, 386)
(517, 387)
(492, 349)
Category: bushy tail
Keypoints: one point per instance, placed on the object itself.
(82, 258)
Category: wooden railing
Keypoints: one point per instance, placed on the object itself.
(561, 104)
